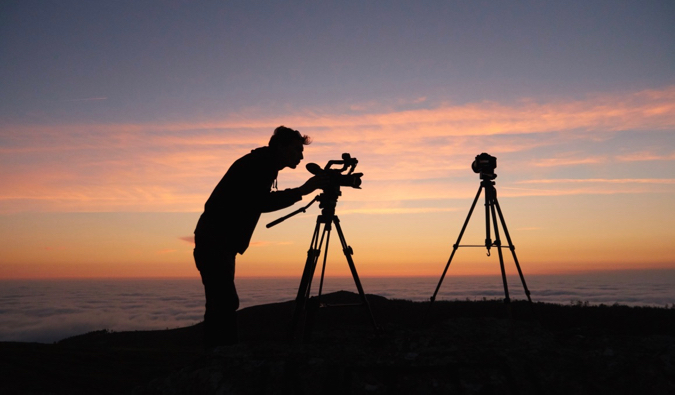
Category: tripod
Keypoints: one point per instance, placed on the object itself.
(491, 203)
(306, 306)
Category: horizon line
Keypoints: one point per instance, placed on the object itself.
(497, 274)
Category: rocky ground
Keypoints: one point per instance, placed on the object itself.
(453, 348)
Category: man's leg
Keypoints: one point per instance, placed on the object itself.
(222, 302)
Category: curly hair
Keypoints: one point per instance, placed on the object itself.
(284, 136)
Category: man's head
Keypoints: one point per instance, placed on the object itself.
(288, 145)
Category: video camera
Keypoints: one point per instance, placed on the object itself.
(335, 176)
(331, 192)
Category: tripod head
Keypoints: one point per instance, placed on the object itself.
(331, 192)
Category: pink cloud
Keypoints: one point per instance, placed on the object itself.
(644, 110)
(590, 186)
(190, 239)
(174, 166)
(568, 161)
(644, 156)
(262, 243)
(667, 181)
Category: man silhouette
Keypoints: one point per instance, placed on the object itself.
(230, 217)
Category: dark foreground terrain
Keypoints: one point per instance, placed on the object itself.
(456, 347)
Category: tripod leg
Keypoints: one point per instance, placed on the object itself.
(326, 229)
(488, 200)
(456, 245)
(306, 281)
(348, 254)
(498, 244)
(513, 252)
(314, 303)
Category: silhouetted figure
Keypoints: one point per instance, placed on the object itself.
(230, 217)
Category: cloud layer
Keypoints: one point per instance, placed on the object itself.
(48, 311)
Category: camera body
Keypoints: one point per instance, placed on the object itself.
(328, 198)
(485, 164)
(335, 177)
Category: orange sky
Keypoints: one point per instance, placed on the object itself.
(584, 185)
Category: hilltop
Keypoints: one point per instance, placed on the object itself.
(464, 347)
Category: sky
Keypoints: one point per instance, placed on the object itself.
(117, 119)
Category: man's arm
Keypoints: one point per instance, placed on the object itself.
(278, 200)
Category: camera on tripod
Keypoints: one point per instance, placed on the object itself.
(335, 176)
(331, 191)
(339, 173)
(485, 164)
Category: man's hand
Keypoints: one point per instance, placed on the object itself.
(314, 183)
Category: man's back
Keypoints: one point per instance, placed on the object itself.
(234, 207)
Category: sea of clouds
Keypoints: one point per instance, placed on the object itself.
(50, 310)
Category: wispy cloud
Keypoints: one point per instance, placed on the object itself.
(567, 161)
(645, 156)
(642, 111)
(578, 158)
(669, 181)
(190, 239)
(399, 210)
(594, 186)
(173, 166)
(264, 243)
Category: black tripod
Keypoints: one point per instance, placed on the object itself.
(306, 306)
(491, 203)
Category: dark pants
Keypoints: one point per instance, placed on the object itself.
(220, 319)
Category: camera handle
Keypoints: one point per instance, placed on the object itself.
(347, 162)
(298, 211)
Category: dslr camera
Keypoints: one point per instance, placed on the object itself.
(485, 164)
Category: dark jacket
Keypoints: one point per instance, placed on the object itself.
(234, 207)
